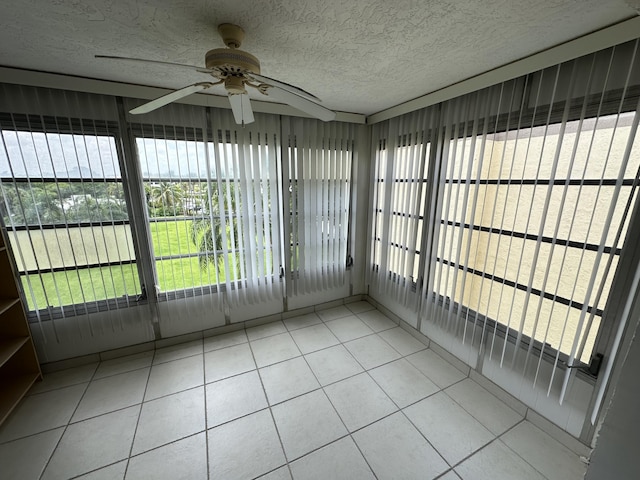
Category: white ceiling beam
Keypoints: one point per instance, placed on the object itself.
(592, 42)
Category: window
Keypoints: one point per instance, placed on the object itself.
(401, 189)
(63, 204)
(532, 227)
(399, 208)
(508, 208)
(211, 192)
(317, 175)
(212, 207)
(179, 207)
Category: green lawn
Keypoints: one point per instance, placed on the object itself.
(171, 238)
(80, 286)
(92, 284)
(181, 273)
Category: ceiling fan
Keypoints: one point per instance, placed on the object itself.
(236, 69)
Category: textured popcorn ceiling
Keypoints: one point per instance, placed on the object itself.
(358, 56)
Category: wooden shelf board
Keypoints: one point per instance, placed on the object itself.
(13, 389)
(7, 303)
(9, 346)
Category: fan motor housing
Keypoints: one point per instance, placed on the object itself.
(232, 61)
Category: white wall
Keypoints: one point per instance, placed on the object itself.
(617, 444)
(86, 334)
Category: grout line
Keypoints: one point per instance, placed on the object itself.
(444, 473)
(524, 420)
(44, 469)
(71, 422)
(226, 422)
(319, 322)
(270, 406)
(206, 415)
(30, 435)
(321, 387)
(341, 437)
(496, 437)
(362, 454)
(97, 364)
(273, 419)
(157, 447)
(227, 346)
(97, 469)
(472, 415)
(401, 410)
(119, 409)
(246, 329)
(262, 475)
(179, 358)
(133, 439)
(93, 378)
(122, 373)
(402, 355)
(412, 403)
(426, 439)
(350, 433)
(63, 386)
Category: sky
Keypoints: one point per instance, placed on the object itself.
(50, 155)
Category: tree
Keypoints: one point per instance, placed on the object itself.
(207, 232)
(31, 204)
(89, 209)
(165, 199)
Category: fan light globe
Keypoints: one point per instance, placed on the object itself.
(235, 85)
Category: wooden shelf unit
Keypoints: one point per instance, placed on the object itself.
(19, 367)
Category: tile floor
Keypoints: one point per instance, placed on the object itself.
(344, 393)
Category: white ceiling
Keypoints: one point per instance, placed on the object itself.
(360, 56)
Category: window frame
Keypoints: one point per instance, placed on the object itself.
(536, 118)
(83, 127)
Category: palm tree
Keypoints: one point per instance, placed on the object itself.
(207, 233)
(165, 199)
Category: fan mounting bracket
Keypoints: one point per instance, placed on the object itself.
(232, 35)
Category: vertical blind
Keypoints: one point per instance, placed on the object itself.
(172, 155)
(403, 149)
(108, 210)
(529, 200)
(317, 174)
(246, 172)
(212, 193)
(63, 203)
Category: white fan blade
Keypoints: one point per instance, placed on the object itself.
(241, 107)
(296, 101)
(284, 86)
(170, 97)
(131, 59)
